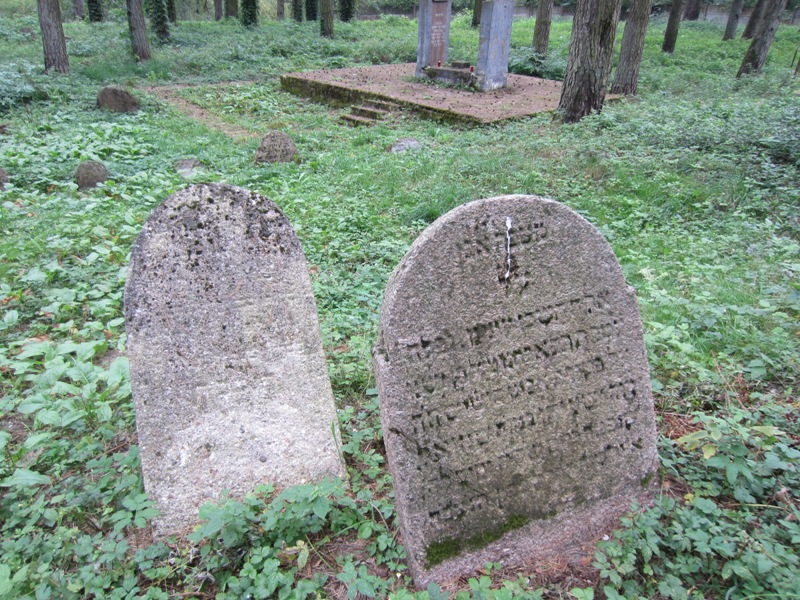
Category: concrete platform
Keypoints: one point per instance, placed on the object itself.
(525, 96)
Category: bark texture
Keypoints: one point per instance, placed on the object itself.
(673, 24)
(280, 10)
(312, 10)
(139, 45)
(77, 7)
(217, 10)
(297, 10)
(692, 12)
(754, 20)
(733, 20)
(95, 10)
(159, 21)
(249, 13)
(232, 8)
(476, 13)
(630, 56)
(756, 54)
(541, 30)
(326, 18)
(347, 10)
(55, 45)
(591, 50)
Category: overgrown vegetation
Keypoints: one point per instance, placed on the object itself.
(695, 183)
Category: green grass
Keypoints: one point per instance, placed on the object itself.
(695, 184)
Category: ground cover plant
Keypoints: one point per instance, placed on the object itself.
(695, 183)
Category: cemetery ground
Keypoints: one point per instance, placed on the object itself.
(695, 183)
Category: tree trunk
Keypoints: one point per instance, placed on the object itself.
(673, 24)
(312, 10)
(756, 54)
(232, 8)
(77, 6)
(95, 10)
(55, 45)
(347, 10)
(297, 10)
(217, 10)
(281, 10)
(541, 31)
(159, 21)
(591, 50)
(172, 12)
(249, 13)
(733, 20)
(136, 25)
(476, 13)
(753, 21)
(326, 18)
(692, 12)
(630, 56)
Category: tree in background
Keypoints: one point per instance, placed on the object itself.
(55, 45)
(591, 50)
(753, 21)
(326, 18)
(232, 8)
(541, 31)
(312, 10)
(281, 10)
(141, 50)
(673, 24)
(95, 10)
(248, 14)
(733, 20)
(172, 12)
(159, 21)
(297, 10)
(756, 54)
(692, 12)
(477, 5)
(77, 7)
(218, 10)
(347, 10)
(630, 56)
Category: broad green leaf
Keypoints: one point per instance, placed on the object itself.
(25, 478)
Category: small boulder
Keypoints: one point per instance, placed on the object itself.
(405, 145)
(3, 178)
(276, 147)
(188, 167)
(89, 173)
(117, 99)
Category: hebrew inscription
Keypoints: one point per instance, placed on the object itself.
(227, 370)
(514, 384)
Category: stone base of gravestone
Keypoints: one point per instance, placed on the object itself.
(90, 173)
(433, 35)
(227, 369)
(494, 44)
(117, 99)
(276, 147)
(514, 387)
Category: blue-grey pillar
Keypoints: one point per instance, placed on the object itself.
(434, 34)
(494, 44)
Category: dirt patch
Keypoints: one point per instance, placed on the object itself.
(524, 96)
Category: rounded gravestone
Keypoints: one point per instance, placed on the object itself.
(227, 369)
(117, 99)
(276, 147)
(90, 173)
(514, 387)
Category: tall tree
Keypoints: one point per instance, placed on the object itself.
(733, 20)
(754, 20)
(541, 31)
(217, 10)
(591, 50)
(297, 10)
(172, 12)
(673, 24)
(55, 45)
(312, 10)
(141, 50)
(95, 10)
(630, 56)
(77, 7)
(159, 21)
(692, 12)
(248, 14)
(326, 18)
(232, 8)
(756, 54)
(477, 5)
(347, 10)
(281, 10)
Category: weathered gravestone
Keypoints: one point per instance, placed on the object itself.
(433, 35)
(227, 369)
(90, 173)
(276, 147)
(514, 386)
(117, 99)
(3, 178)
(494, 44)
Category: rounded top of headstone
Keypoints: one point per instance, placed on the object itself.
(275, 147)
(117, 99)
(89, 173)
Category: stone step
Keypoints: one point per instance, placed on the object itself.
(355, 120)
(369, 112)
(384, 105)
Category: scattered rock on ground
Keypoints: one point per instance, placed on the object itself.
(405, 145)
(188, 167)
(275, 147)
(3, 178)
(89, 173)
(117, 99)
